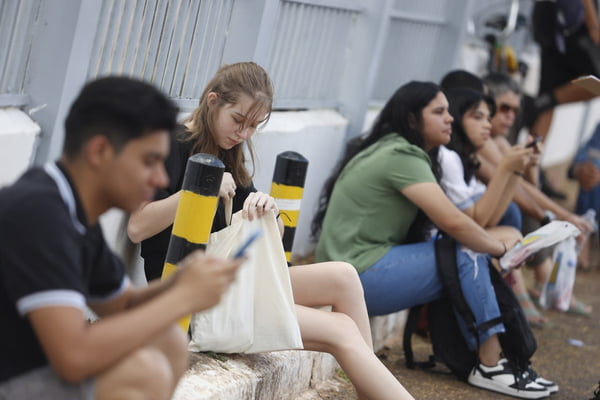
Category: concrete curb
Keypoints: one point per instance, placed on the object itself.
(277, 375)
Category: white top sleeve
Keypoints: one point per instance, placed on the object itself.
(463, 195)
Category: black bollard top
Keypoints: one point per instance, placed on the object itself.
(290, 169)
(203, 174)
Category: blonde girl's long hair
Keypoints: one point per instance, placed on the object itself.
(229, 82)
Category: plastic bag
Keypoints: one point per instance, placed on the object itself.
(558, 290)
(257, 313)
(543, 237)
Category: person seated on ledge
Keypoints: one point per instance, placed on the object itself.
(535, 206)
(54, 260)
(235, 102)
(375, 214)
(585, 169)
(490, 206)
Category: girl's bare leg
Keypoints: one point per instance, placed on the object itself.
(335, 284)
(337, 333)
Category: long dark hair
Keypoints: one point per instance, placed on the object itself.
(462, 101)
(402, 115)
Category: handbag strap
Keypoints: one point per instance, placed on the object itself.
(228, 211)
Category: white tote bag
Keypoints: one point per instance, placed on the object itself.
(257, 312)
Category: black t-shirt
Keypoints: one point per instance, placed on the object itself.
(154, 249)
(49, 257)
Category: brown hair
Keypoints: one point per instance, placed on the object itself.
(229, 82)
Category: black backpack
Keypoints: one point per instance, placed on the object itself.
(449, 346)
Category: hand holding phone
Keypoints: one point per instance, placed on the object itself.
(534, 142)
(251, 238)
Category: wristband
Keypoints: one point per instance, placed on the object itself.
(518, 173)
(549, 216)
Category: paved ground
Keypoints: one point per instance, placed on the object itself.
(575, 368)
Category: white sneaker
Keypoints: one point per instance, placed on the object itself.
(551, 386)
(503, 378)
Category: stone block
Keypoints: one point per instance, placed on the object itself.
(276, 375)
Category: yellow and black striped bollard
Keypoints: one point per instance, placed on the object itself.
(287, 189)
(195, 212)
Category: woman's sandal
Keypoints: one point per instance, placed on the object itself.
(534, 317)
(536, 293)
(580, 308)
(577, 306)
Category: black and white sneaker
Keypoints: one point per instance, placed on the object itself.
(503, 378)
(596, 393)
(551, 386)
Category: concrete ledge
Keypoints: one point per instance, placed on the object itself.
(276, 375)
(387, 329)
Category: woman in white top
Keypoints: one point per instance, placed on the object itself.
(490, 206)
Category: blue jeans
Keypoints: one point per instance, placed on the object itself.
(407, 276)
(512, 216)
(587, 200)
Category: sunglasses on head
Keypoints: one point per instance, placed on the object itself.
(505, 108)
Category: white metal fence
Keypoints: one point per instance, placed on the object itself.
(176, 45)
(17, 25)
(338, 54)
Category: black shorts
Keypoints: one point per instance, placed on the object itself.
(581, 57)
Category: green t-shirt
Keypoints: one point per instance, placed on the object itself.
(367, 213)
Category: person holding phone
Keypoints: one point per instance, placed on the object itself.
(536, 207)
(234, 104)
(489, 205)
(585, 169)
(54, 260)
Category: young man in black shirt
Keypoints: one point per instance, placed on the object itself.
(54, 260)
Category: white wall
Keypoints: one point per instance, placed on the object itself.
(572, 125)
(18, 134)
(318, 135)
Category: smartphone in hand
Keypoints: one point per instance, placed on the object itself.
(534, 142)
(251, 238)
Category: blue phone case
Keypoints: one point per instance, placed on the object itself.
(253, 236)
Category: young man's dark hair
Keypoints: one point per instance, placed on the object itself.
(119, 108)
(54, 261)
